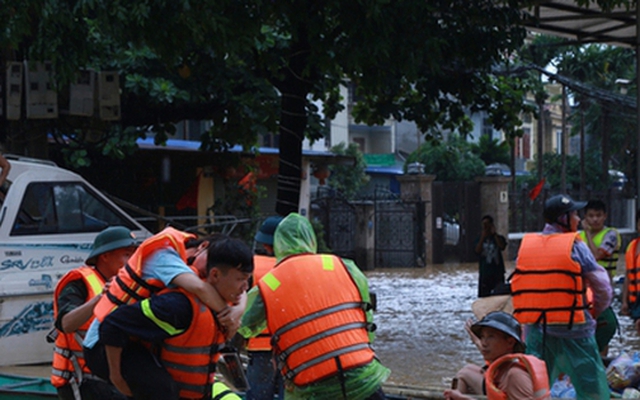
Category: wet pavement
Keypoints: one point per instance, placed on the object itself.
(420, 324)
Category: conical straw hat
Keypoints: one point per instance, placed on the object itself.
(485, 305)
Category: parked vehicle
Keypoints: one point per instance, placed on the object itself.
(49, 218)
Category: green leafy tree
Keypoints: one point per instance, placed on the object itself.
(491, 151)
(257, 66)
(348, 179)
(451, 160)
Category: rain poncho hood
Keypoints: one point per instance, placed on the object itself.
(294, 235)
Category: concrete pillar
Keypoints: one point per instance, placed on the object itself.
(365, 235)
(494, 201)
(417, 188)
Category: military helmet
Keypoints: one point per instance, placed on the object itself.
(112, 238)
(267, 229)
(503, 322)
(559, 205)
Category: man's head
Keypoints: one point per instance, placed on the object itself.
(229, 267)
(111, 249)
(294, 235)
(499, 334)
(264, 235)
(487, 223)
(595, 215)
(563, 211)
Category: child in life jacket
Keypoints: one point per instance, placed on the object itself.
(171, 258)
(508, 374)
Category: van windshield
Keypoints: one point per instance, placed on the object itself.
(65, 207)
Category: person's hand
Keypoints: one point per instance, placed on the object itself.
(230, 319)
(624, 309)
(106, 286)
(120, 384)
(452, 394)
(475, 339)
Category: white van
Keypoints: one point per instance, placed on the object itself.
(49, 218)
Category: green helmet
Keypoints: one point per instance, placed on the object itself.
(112, 238)
(559, 205)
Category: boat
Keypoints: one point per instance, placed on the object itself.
(49, 218)
(16, 387)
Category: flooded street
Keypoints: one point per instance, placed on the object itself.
(420, 324)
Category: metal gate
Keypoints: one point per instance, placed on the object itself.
(456, 207)
(399, 229)
(338, 218)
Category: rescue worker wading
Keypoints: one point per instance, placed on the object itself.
(548, 287)
(75, 296)
(317, 308)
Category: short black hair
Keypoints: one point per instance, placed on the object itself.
(487, 217)
(227, 253)
(596, 205)
(192, 243)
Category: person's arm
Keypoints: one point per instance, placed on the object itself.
(205, 292)
(75, 318)
(231, 317)
(595, 276)
(114, 360)
(131, 321)
(6, 167)
(254, 319)
(454, 394)
(478, 248)
(475, 339)
(70, 297)
(500, 241)
(597, 252)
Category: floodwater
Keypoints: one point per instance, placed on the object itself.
(420, 324)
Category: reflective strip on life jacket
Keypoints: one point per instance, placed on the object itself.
(165, 326)
(190, 356)
(261, 266)
(609, 263)
(326, 334)
(535, 367)
(128, 286)
(68, 359)
(547, 284)
(222, 392)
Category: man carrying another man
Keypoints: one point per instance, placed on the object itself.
(166, 346)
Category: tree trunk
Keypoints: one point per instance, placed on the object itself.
(293, 122)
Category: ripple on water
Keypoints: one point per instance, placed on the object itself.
(420, 320)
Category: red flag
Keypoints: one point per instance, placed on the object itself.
(190, 198)
(533, 193)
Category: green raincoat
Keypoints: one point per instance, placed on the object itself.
(295, 235)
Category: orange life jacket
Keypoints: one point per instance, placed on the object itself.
(547, 284)
(317, 318)
(128, 286)
(632, 259)
(536, 368)
(68, 360)
(261, 265)
(190, 356)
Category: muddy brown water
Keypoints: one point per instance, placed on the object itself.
(420, 324)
